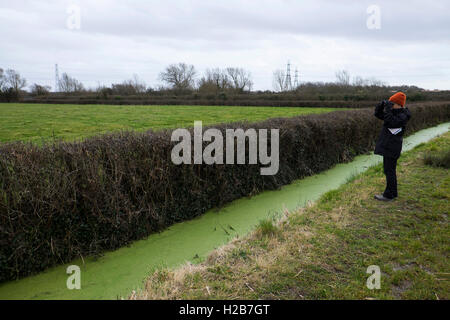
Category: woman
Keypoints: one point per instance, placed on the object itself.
(389, 145)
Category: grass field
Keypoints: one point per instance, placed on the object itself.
(323, 251)
(37, 122)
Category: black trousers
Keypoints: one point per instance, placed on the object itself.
(390, 170)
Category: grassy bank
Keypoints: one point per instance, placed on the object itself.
(323, 251)
(37, 122)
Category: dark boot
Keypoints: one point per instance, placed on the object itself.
(380, 197)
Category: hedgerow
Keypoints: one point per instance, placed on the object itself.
(64, 200)
(129, 100)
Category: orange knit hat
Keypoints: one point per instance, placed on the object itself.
(398, 98)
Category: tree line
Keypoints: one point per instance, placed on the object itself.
(182, 78)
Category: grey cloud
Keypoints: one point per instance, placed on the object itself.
(401, 20)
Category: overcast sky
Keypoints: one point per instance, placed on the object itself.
(117, 39)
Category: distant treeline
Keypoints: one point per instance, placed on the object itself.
(228, 86)
(63, 201)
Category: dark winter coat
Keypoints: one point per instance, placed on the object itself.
(388, 144)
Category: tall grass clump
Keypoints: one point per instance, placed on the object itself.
(267, 227)
(438, 159)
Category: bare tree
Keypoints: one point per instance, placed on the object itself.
(279, 80)
(124, 88)
(343, 77)
(362, 82)
(2, 79)
(220, 78)
(359, 81)
(179, 76)
(11, 85)
(241, 80)
(14, 81)
(128, 87)
(138, 85)
(207, 85)
(215, 80)
(68, 84)
(375, 82)
(39, 90)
